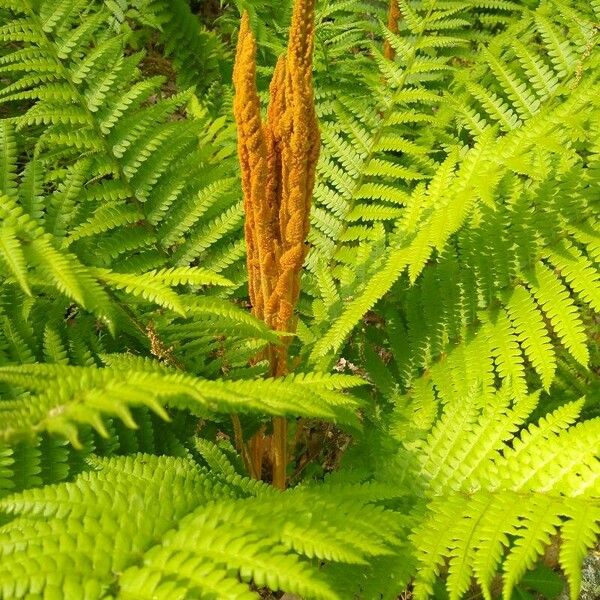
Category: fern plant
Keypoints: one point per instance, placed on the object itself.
(442, 395)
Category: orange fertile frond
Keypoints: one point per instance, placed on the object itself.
(300, 151)
(302, 35)
(278, 162)
(252, 150)
(394, 16)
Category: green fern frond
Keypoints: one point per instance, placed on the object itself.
(578, 271)
(12, 254)
(8, 168)
(510, 505)
(578, 534)
(208, 539)
(532, 332)
(555, 300)
(155, 286)
(507, 353)
(65, 396)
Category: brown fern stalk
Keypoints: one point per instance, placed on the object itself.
(394, 16)
(278, 161)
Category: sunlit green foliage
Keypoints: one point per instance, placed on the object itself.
(448, 323)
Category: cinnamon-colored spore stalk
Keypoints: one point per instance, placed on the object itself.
(278, 160)
(394, 16)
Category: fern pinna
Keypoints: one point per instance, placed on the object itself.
(440, 389)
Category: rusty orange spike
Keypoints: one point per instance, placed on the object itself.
(252, 151)
(394, 16)
(300, 149)
(278, 162)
